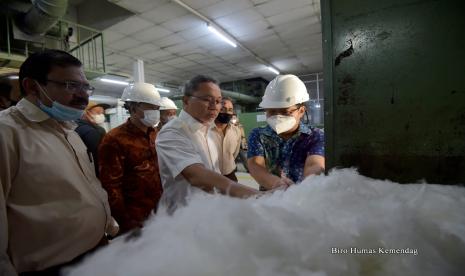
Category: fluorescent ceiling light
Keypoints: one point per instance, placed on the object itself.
(15, 77)
(163, 90)
(273, 70)
(222, 36)
(115, 81)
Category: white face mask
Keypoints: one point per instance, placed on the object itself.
(98, 118)
(281, 123)
(171, 118)
(151, 118)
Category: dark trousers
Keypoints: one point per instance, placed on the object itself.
(232, 176)
(55, 270)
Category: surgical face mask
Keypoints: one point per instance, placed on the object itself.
(224, 118)
(151, 118)
(98, 118)
(280, 123)
(171, 118)
(59, 111)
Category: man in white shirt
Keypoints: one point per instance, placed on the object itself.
(187, 154)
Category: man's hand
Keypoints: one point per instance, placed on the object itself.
(283, 183)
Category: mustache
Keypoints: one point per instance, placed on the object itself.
(79, 101)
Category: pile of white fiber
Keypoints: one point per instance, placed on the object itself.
(341, 224)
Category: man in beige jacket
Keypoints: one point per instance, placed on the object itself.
(52, 206)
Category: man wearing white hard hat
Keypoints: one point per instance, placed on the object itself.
(167, 111)
(286, 150)
(128, 162)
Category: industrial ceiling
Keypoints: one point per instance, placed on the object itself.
(175, 43)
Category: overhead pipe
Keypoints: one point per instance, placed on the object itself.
(240, 96)
(233, 95)
(43, 15)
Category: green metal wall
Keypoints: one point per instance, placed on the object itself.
(249, 121)
(395, 88)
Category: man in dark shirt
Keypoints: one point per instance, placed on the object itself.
(90, 130)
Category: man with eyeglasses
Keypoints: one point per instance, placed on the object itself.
(128, 162)
(187, 154)
(52, 207)
(285, 151)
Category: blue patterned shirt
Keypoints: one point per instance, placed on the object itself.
(287, 156)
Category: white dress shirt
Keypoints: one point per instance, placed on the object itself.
(182, 142)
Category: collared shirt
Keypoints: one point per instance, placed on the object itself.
(52, 206)
(229, 145)
(129, 172)
(182, 142)
(287, 156)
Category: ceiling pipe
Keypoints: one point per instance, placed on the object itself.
(43, 15)
(234, 95)
(240, 96)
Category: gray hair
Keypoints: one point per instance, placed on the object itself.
(193, 84)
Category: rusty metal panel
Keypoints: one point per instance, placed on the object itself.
(395, 88)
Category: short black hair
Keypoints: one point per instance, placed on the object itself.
(193, 84)
(38, 65)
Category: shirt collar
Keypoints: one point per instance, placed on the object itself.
(31, 111)
(34, 114)
(193, 124)
(131, 127)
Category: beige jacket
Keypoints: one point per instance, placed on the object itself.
(52, 206)
(228, 145)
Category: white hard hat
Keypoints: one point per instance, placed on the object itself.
(167, 104)
(284, 91)
(141, 93)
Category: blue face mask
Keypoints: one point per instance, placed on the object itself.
(58, 111)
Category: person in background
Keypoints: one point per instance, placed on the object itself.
(5, 94)
(128, 161)
(227, 138)
(167, 111)
(242, 156)
(53, 209)
(285, 150)
(90, 130)
(187, 154)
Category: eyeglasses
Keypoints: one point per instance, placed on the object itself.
(272, 112)
(208, 99)
(75, 87)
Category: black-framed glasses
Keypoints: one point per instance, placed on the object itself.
(209, 99)
(75, 86)
(272, 112)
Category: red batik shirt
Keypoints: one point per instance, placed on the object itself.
(129, 173)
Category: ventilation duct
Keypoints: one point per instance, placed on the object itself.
(42, 16)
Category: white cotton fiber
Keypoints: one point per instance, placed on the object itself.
(296, 232)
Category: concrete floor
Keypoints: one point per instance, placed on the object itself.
(246, 179)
